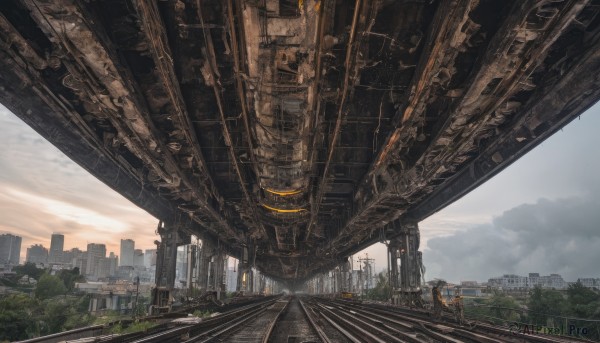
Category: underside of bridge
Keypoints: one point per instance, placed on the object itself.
(302, 131)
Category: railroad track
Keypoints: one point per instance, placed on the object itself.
(378, 323)
(313, 319)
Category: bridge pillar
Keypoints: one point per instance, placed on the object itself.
(245, 282)
(206, 255)
(406, 266)
(166, 262)
(216, 279)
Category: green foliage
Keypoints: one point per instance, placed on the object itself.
(49, 286)
(29, 269)
(543, 304)
(135, 327)
(202, 314)
(70, 277)
(15, 314)
(139, 310)
(23, 317)
(583, 302)
(381, 291)
(548, 308)
(498, 309)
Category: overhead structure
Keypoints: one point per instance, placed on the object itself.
(297, 132)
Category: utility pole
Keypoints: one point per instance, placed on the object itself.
(367, 271)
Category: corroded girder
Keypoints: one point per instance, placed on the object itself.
(503, 76)
(98, 77)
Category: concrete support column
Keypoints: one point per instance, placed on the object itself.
(406, 266)
(166, 262)
(203, 267)
(217, 279)
(245, 282)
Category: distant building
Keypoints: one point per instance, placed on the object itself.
(37, 254)
(81, 261)
(590, 282)
(10, 249)
(138, 258)
(127, 251)
(69, 256)
(515, 282)
(115, 265)
(95, 252)
(150, 258)
(554, 281)
(107, 267)
(509, 282)
(57, 245)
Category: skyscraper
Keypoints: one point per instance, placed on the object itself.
(10, 249)
(37, 254)
(94, 253)
(57, 244)
(127, 249)
(138, 258)
(150, 258)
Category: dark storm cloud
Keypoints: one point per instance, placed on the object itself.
(551, 236)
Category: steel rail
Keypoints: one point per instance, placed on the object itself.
(314, 325)
(481, 332)
(272, 324)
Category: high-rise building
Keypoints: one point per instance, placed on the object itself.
(80, 261)
(114, 263)
(94, 253)
(150, 258)
(37, 254)
(107, 266)
(127, 249)
(57, 244)
(10, 249)
(69, 256)
(138, 258)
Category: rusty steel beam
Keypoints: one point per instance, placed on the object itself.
(210, 52)
(351, 51)
(443, 39)
(494, 64)
(96, 61)
(161, 54)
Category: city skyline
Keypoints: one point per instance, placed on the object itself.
(24, 247)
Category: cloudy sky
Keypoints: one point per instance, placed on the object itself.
(42, 191)
(542, 214)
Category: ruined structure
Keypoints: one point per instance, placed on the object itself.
(297, 132)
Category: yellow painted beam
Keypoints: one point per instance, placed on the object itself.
(281, 210)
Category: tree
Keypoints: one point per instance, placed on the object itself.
(583, 302)
(70, 277)
(381, 291)
(49, 286)
(544, 304)
(504, 307)
(30, 270)
(15, 317)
